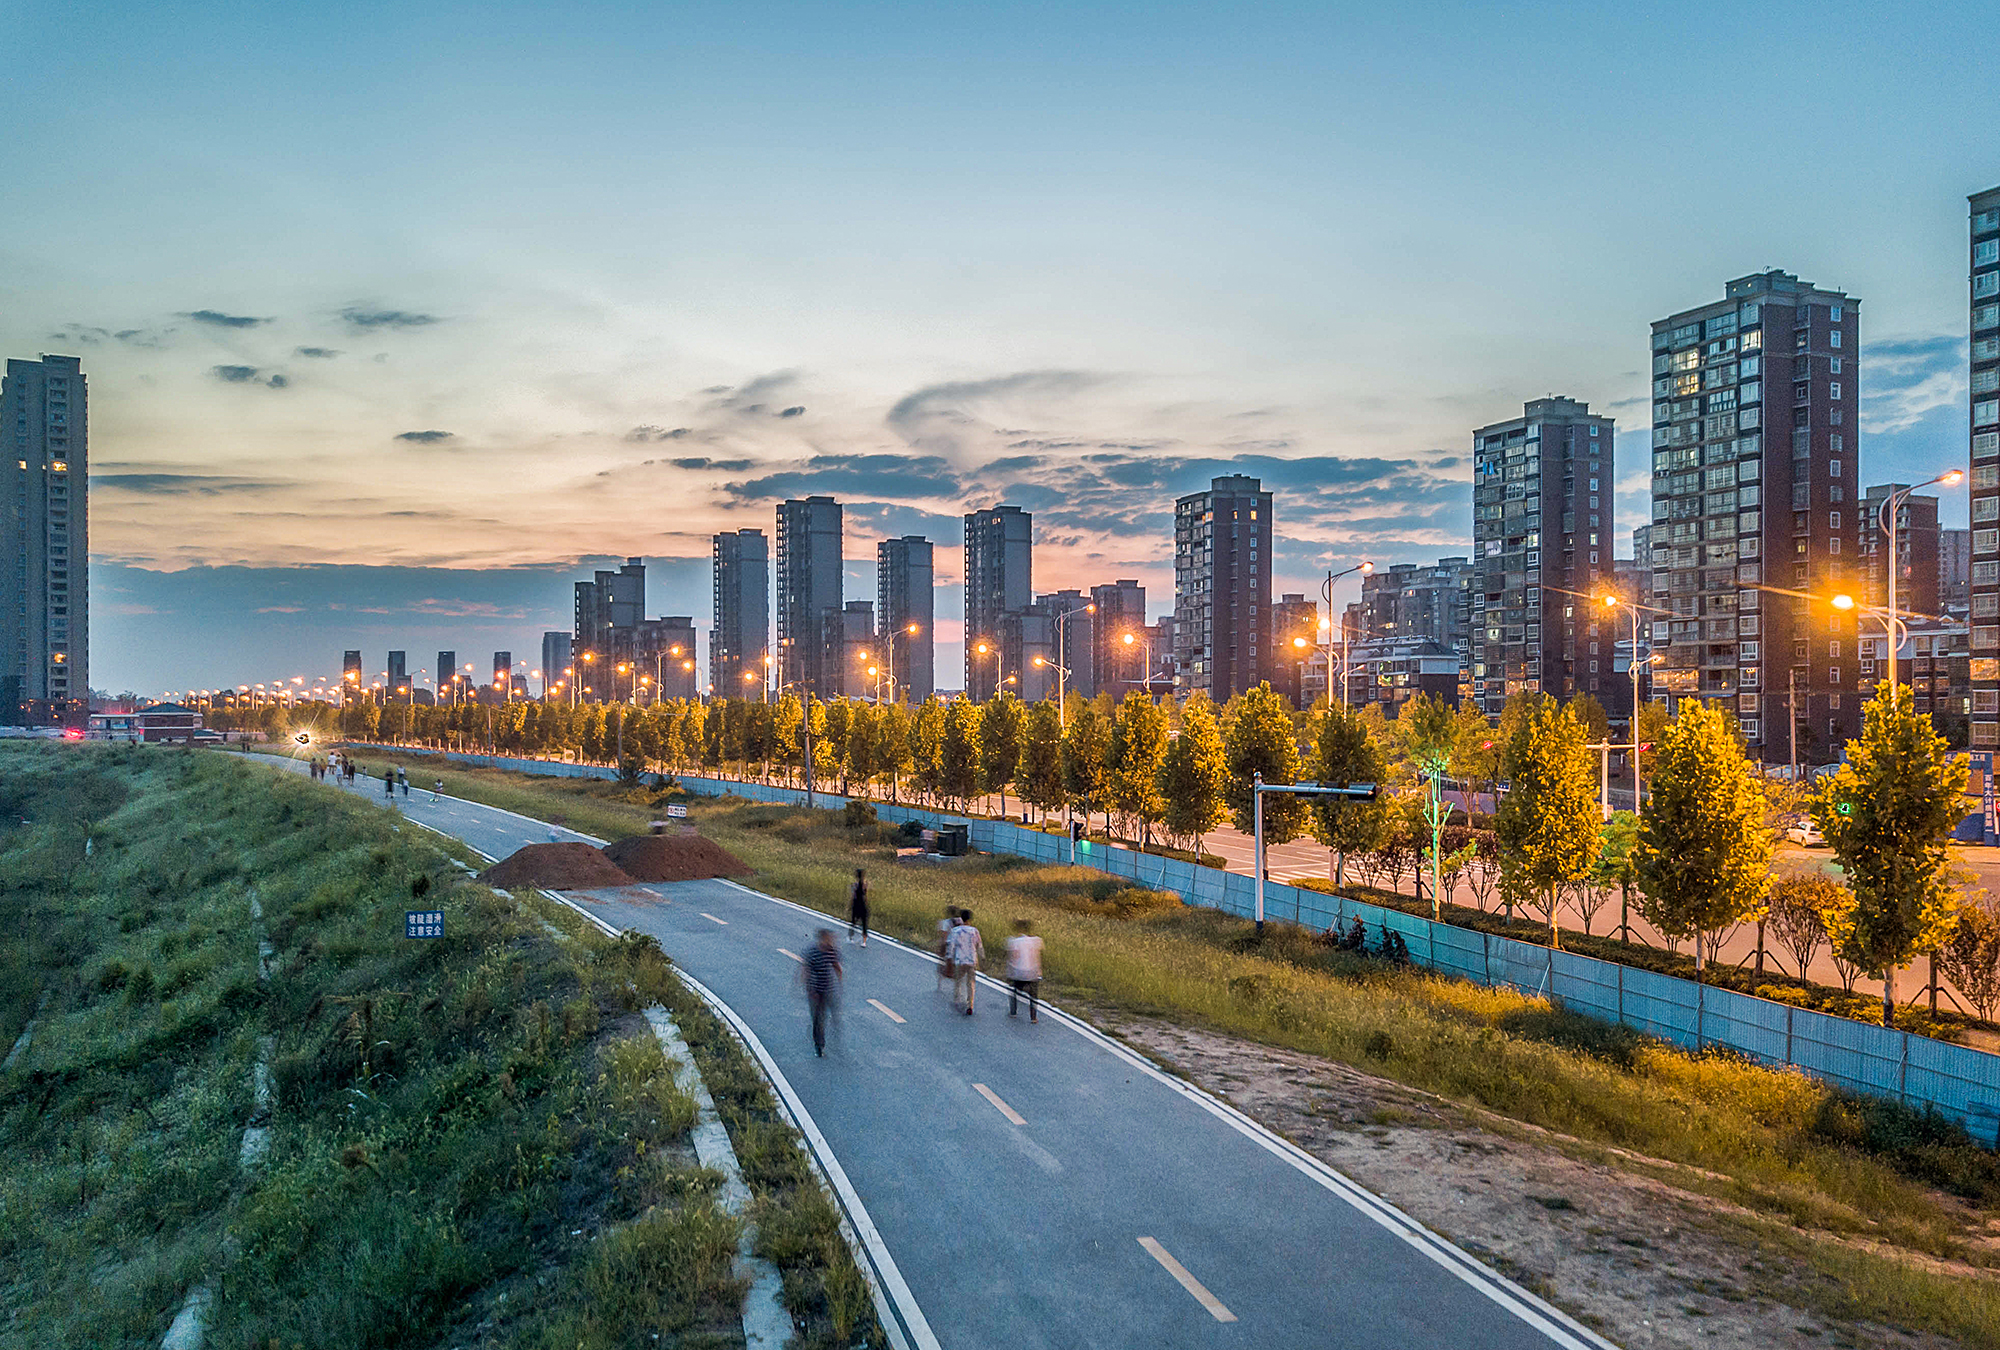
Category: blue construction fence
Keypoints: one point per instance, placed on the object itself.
(1959, 1082)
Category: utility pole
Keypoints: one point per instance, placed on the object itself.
(1792, 711)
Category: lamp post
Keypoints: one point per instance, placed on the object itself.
(1892, 505)
(1131, 641)
(1062, 644)
(889, 636)
(999, 657)
(1633, 607)
(1326, 590)
(1062, 674)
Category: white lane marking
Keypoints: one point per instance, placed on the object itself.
(990, 1095)
(712, 919)
(879, 1006)
(1188, 1282)
(794, 955)
(895, 1305)
(1562, 1329)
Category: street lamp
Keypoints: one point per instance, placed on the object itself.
(1326, 590)
(1132, 641)
(1062, 643)
(998, 658)
(889, 636)
(1886, 517)
(1633, 668)
(1062, 675)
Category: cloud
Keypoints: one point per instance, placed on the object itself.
(720, 465)
(217, 319)
(180, 484)
(425, 437)
(931, 417)
(364, 319)
(77, 334)
(793, 412)
(248, 375)
(650, 433)
(316, 353)
(1911, 378)
(897, 477)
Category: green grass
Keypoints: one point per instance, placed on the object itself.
(1804, 1158)
(471, 1135)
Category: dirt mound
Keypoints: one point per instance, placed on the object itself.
(675, 857)
(559, 867)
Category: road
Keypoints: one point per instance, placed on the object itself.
(1039, 1185)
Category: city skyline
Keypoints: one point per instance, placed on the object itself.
(307, 382)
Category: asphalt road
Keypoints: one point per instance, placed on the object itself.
(1038, 1185)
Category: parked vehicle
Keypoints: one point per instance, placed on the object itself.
(1804, 833)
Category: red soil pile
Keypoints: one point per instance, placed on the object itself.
(557, 867)
(675, 857)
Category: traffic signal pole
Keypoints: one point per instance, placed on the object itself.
(1258, 787)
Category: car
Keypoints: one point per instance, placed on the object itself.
(1803, 832)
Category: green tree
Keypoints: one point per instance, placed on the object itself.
(1887, 813)
(1475, 752)
(824, 765)
(1548, 819)
(1971, 959)
(1193, 774)
(892, 748)
(927, 747)
(1038, 769)
(1138, 747)
(1616, 839)
(1086, 761)
(1590, 713)
(1430, 733)
(786, 725)
(958, 752)
(1703, 860)
(1258, 740)
(1000, 745)
(1345, 754)
(839, 716)
(862, 763)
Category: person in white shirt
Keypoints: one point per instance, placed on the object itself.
(945, 925)
(966, 949)
(1024, 970)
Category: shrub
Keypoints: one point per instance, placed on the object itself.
(855, 815)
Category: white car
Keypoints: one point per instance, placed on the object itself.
(1803, 832)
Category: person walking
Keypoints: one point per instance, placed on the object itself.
(822, 973)
(1024, 970)
(403, 780)
(437, 789)
(945, 925)
(857, 907)
(389, 783)
(966, 949)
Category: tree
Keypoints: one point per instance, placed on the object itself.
(1703, 860)
(1887, 813)
(1548, 819)
(862, 762)
(814, 728)
(1475, 752)
(1590, 713)
(958, 753)
(1345, 754)
(892, 745)
(1086, 761)
(1038, 770)
(786, 725)
(1797, 902)
(839, 716)
(1971, 959)
(1138, 747)
(1430, 732)
(1000, 745)
(927, 746)
(1193, 774)
(1616, 839)
(1258, 741)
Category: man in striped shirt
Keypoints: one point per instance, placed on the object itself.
(823, 976)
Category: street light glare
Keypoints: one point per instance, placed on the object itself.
(1842, 602)
(1368, 567)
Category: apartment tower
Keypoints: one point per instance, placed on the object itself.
(45, 624)
(1222, 587)
(810, 581)
(741, 640)
(1757, 511)
(904, 602)
(1984, 589)
(1542, 514)
(999, 586)
(1119, 664)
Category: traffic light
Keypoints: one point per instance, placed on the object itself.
(1845, 808)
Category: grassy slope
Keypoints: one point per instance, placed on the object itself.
(470, 1134)
(1803, 1157)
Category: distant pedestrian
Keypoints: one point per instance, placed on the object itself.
(1024, 970)
(966, 949)
(389, 784)
(857, 907)
(437, 789)
(944, 927)
(822, 975)
(403, 780)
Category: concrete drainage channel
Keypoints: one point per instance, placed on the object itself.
(189, 1328)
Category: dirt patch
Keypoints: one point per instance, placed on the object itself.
(558, 867)
(1644, 1262)
(675, 857)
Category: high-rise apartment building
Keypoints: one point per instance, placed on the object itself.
(446, 667)
(1295, 636)
(1120, 645)
(1918, 582)
(45, 623)
(1984, 588)
(664, 658)
(999, 582)
(741, 639)
(557, 651)
(352, 678)
(608, 608)
(857, 664)
(503, 673)
(810, 586)
(1757, 510)
(1071, 639)
(1541, 528)
(1222, 587)
(399, 674)
(1407, 600)
(906, 611)
(1955, 572)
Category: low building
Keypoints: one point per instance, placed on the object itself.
(161, 724)
(1392, 671)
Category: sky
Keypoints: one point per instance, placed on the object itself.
(397, 319)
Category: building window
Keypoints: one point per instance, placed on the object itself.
(1984, 541)
(1833, 544)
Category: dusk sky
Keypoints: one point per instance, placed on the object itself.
(395, 317)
